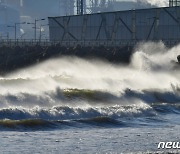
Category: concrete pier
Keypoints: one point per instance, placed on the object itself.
(22, 53)
(18, 54)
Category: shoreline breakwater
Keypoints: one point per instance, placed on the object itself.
(13, 58)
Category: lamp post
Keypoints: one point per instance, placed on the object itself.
(30, 23)
(41, 31)
(36, 20)
(35, 26)
(15, 28)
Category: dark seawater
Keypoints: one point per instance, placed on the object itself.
(73, 96)
(84, 108)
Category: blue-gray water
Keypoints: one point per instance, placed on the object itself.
(71, 105)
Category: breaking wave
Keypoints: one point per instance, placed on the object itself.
(72, 92)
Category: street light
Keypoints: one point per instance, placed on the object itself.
(31, 23)
(14, 30)
(35, 26)
(15, 27)
(41, 31)
(36, 20)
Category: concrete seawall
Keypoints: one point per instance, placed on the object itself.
(12, 58)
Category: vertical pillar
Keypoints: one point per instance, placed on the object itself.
(84, 5)
(15, 27)
(35, 29)
(80, 7)
(157, 14)
(133, 24)
(171, 3)
(65, 22)
(84, 26)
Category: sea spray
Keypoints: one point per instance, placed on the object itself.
(73, 72)
(69, 88)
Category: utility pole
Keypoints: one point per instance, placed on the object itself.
(15, 29)
(80, 7)
(100, 5)
(35, 26)
(40, 32)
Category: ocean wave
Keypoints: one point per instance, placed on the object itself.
(40, 124)
(155, 96)
(25, 124)
(96, 122)
(71, 90)
(81, 103)
(67, 113)
(85, 97)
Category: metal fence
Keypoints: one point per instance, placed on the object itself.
(24, 42)
(106, 43)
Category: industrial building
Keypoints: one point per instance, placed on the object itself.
(29, 10)
(118, 28)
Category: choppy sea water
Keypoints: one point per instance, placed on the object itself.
(73, 105)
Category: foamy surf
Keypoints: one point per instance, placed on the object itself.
(71, 88)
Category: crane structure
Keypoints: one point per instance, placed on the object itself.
(174, 3)
(80, 6)
(66, 7)
(70, 7)
(96, 6)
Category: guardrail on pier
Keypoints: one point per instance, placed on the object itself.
(24, 42)
(45, 43)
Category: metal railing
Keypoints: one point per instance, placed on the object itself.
(106, 43)
(24, 42)
(113, 43)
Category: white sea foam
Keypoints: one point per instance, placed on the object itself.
(151, 68)
(151, 73)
